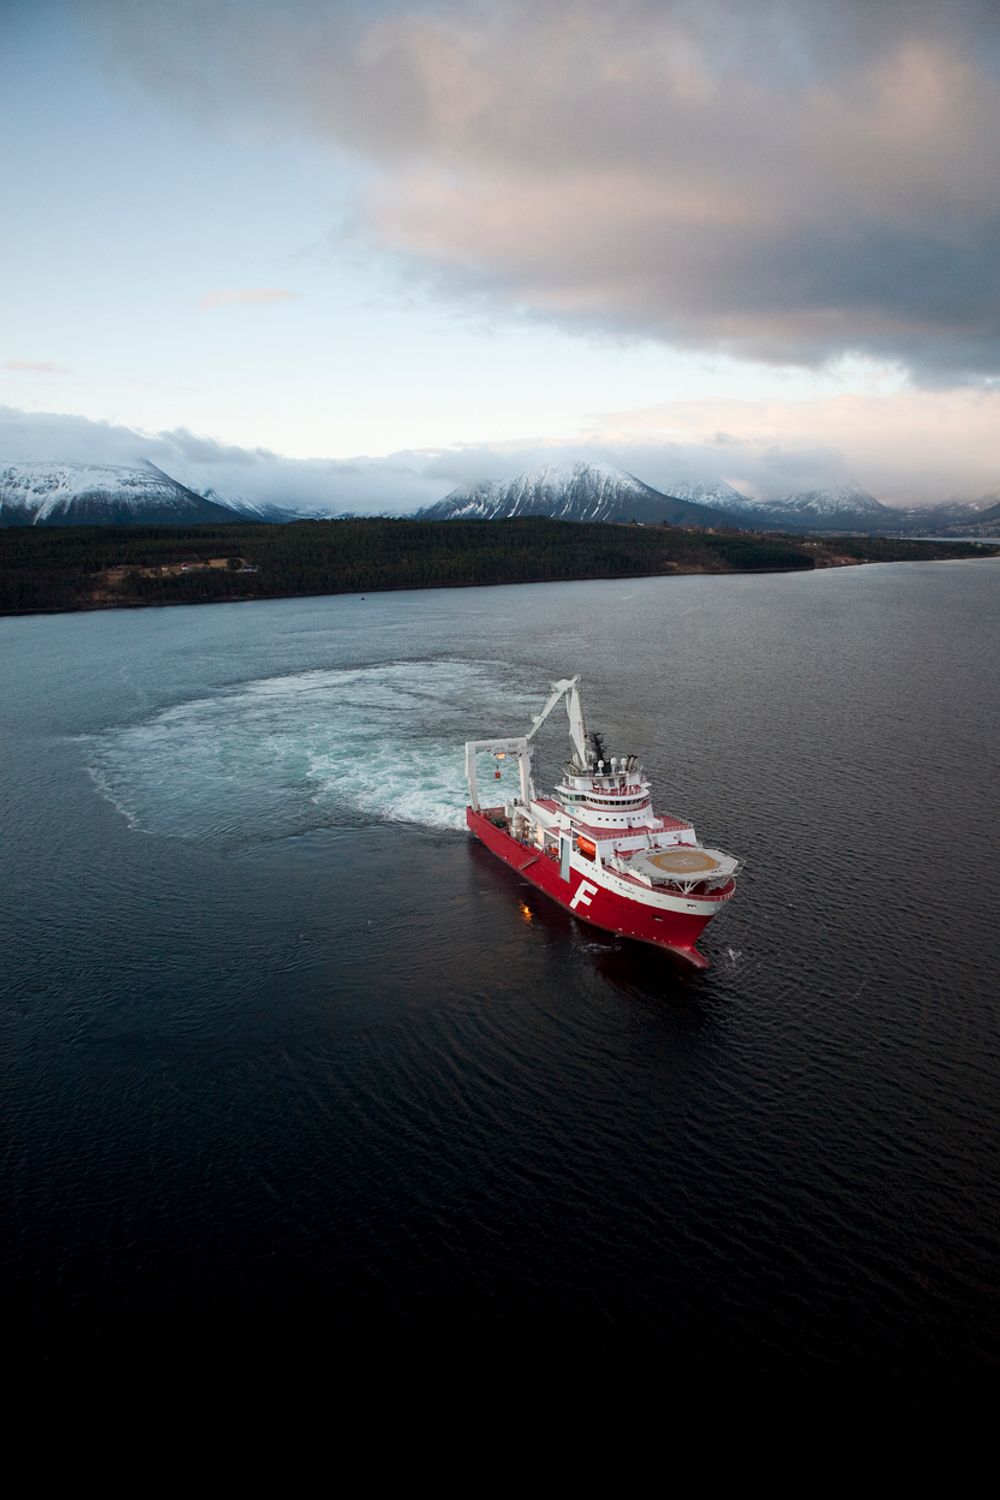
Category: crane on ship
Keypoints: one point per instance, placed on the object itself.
(520, 745)
(595, 844)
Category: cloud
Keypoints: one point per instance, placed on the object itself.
(396, 482)
(787, 183)
(908, 448)
(36, 366)
(247, 296)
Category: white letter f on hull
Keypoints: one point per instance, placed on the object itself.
(584, 891)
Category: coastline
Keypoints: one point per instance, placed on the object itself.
(680, 571)
(78, 569)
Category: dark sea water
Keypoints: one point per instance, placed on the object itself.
(304, 1075)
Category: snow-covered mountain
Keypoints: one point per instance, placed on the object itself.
(259, 510)
(574, 492)
(44, 494)
(845, 507)
(986, 507)
(979, 518)
(847, 499)
(69, 494)
(473, 502)
(949, 511)
(606, 492)
(824, 506)
(603, 492)
(716, 493)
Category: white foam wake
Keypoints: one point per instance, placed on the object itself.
(284, 754)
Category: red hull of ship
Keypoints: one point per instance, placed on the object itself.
(677, 932)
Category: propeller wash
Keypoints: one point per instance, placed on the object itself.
(596, 846)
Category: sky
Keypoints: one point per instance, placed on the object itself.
(349, 254)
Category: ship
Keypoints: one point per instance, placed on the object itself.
(596, 846)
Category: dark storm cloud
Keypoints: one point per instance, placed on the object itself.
(787, 181)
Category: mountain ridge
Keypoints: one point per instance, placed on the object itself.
(601, 491)
(43, 493)
(80, 494)
(575, 491)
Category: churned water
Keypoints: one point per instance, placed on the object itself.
(303, 1072)
(281, 755)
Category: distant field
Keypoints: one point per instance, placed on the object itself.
(103, 567)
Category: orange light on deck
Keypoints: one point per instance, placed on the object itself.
(526, 912)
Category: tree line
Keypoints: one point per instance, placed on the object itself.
(56, 568)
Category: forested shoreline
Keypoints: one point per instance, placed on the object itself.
(46, 569)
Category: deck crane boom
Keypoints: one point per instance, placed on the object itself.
(520, 747)
(566, 687)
